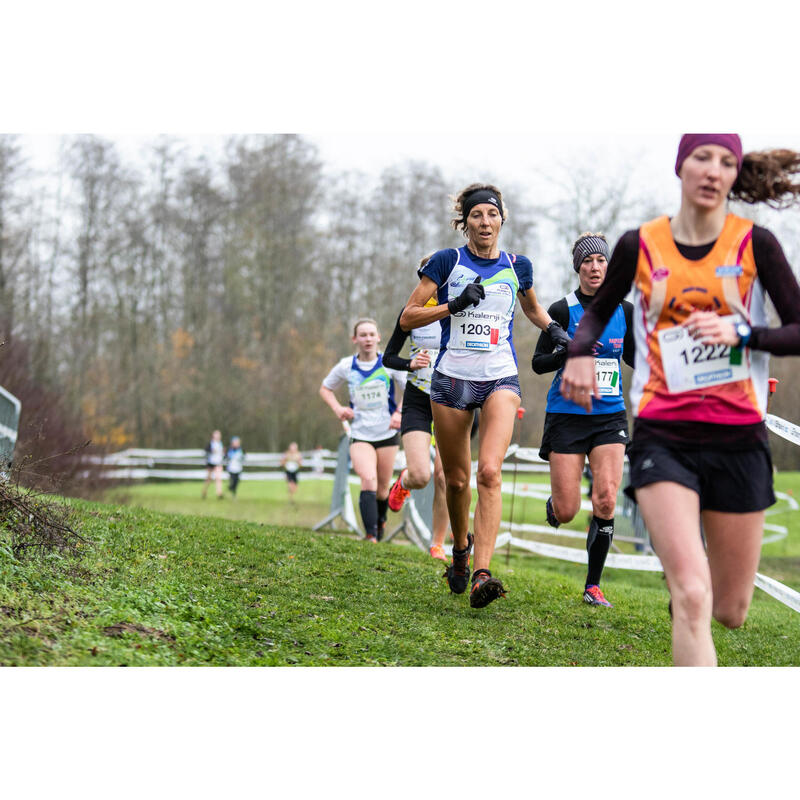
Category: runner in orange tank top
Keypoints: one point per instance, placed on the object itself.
(699, 448)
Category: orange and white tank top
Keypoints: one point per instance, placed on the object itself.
(675, 377)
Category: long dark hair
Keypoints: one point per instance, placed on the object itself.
(769, 176)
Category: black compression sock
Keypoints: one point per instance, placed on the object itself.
(383, 507)
(598, 542)
(368, 505)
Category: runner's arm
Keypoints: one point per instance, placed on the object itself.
(391, 357)
(779, 282)
(544, 359)
(533, 309)
(415, 314)
(629, 345)
(333, 380)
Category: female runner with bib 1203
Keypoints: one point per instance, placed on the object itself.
(476, 288)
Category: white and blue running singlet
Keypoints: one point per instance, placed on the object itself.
(477, 343)
(428, 337)
(215, 452)
(371, 388)
(235, 460)
(607, 365)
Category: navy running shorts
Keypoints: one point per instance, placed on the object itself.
(417, 414)
(579, 433)
(392, 441)
(735, 481)
(468, 395)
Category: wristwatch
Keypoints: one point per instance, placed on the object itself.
(743, 331)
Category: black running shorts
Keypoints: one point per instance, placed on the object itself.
(735, 481)
(291, 476)
(417, 414)
(392, 441)
(468, 395)
(579, 433)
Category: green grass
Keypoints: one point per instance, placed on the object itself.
(161, 588)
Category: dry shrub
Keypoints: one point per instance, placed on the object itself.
(35, 526)
(52, 445)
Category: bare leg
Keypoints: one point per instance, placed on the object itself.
(672, 515)
(440, 518)
(565, 484)
(452, 427)
(733, 543)
(606, 462)
(385, 468)
(417, 447)
(497, 427)
(365, 464)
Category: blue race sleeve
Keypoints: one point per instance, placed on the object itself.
(524, 269)
(440, 266)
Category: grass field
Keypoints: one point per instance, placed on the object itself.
(267, 502)
(176, 588)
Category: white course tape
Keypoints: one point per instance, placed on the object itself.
(789, 499)
(787, 430)
(789, 597)
(780, 533)
(616, 560)
(529, 454)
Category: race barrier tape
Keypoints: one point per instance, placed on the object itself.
(789, 597)
(787, 430)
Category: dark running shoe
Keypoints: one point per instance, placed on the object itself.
(371, 539)
(552, 520)
(457, 573)
(484, 589)
(594, 597)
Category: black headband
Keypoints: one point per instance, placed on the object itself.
(481, 196)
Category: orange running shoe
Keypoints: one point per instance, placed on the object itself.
(398, 493)
(437, 551)
(594, 597)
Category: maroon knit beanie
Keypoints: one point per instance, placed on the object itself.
(690, 141)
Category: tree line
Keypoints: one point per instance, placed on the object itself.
(155, 299)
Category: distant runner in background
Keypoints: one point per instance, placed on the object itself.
(417, 422)
(291, 462)
(317, 461)
(234, 463)
(476, 289)
(215, 453)
(374, 415)
(699, 393)
(570, 433)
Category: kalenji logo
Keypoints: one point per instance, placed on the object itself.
(661, 274)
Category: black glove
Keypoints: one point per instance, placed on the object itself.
(558, 335)
(560, 351)
(473, 293)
